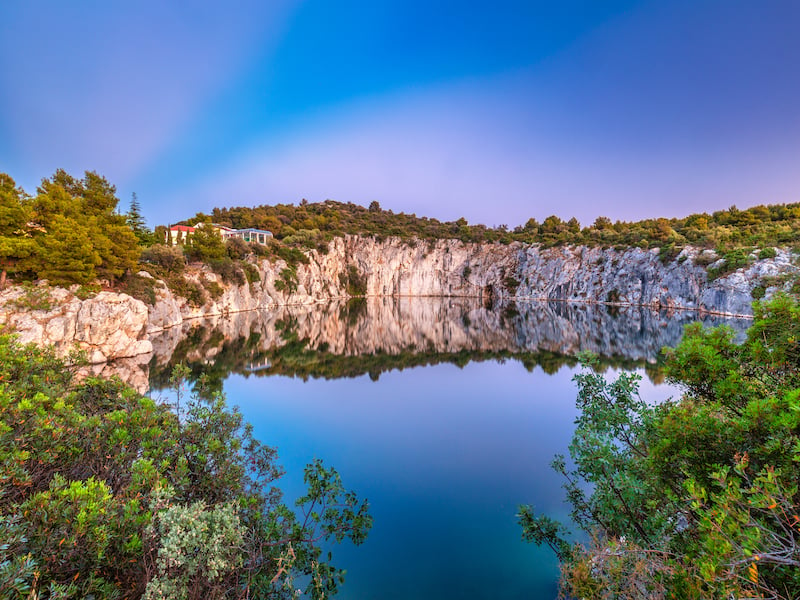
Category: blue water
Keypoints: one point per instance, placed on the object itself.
(444, 455)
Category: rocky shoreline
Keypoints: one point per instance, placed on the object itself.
(111, 326)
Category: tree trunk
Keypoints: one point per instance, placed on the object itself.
(3, 280)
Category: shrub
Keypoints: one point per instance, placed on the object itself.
(250, 272)
(696, 498)
(170, 258)
(108, 494)
(287, 280)
(511, 284)
(34, 297)
(228, 270)
(214, 289)
(139, 287)
(354, 282)
(237, 248)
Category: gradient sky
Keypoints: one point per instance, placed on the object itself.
(494, 111)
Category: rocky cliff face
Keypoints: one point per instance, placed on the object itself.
(107, 326)
(111, 326)
(449, 268)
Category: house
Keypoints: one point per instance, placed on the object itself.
(178, 234)
(259, 236)
(224, 231)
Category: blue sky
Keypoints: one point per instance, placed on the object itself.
(493, 111)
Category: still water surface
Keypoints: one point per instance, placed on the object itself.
(444, 452)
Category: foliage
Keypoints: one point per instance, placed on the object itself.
(353, 281)
(774, 225)
(511, 284)
(68, 233)
(732, 260)
(16, 243)
(140, 287)
(287, 280)
(170, 258)
(696, 498)
(108, 494)
(205, 244)
(67, 253)
(767, 253)
(137, 223)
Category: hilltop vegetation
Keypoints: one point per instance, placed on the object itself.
(310, 224)
(71, 232)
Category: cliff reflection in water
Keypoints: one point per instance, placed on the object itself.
(375, 335)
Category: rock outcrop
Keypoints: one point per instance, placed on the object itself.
(107, 326)
(111, 326)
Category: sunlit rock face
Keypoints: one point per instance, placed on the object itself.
(490, 272)
(106, 326)
(111, 326)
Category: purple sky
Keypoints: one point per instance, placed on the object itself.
(493, 111)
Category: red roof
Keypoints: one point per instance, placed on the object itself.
(181, 228)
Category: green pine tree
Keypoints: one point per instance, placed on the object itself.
(16, 243)
(66, 254)
(137, 223)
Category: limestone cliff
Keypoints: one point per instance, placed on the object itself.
(107, 326)
(111, 326)
(449, 268)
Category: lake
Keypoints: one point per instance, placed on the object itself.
(443, 413)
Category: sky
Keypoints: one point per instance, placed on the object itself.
(496, 112)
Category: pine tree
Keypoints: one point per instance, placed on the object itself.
(205, 244)
(67, 254)
(15, 240)
(137, 223)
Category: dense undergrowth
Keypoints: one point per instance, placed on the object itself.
(694, 498)
(108, 494)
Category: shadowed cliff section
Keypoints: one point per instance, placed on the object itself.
(375, 335)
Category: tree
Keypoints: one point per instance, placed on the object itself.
(116, 244)
(16, 242)
(66, 255)
(109, 494)
(205, 244)
(136, 222)
(81, 212)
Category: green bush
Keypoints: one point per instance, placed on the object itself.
(170, 258)
(693, 498)
(287, 280)
(108, 494)
(140, 287)
(34, 297)
(354, 282)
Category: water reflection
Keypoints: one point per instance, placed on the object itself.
(376, 335)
